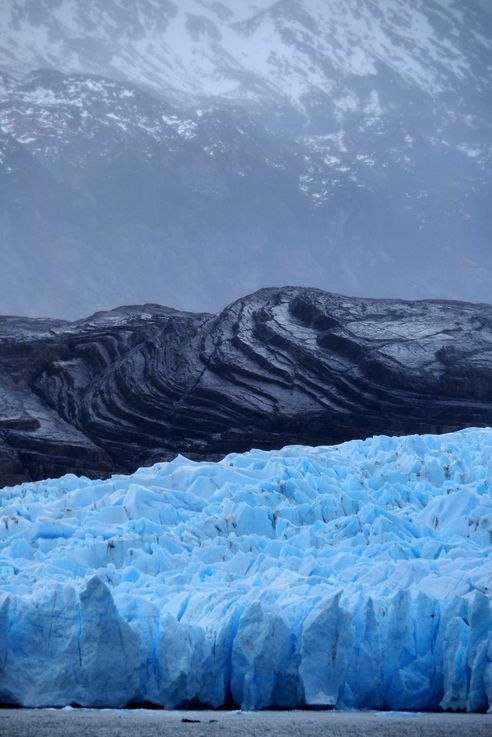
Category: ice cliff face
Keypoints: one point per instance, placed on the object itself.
(340, 144)
(139, 384)
(351, 576)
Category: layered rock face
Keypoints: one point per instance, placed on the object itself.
(135, 385)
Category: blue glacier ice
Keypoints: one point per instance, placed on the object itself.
(354, 576)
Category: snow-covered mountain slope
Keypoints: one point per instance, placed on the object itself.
(290, 48)
(355, 576)
(135, 385)
(343, 144)
(391, 199)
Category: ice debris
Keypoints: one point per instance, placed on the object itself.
(354, 576)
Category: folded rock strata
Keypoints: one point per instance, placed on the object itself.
(134, 385)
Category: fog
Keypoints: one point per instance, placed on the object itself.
(189, 153)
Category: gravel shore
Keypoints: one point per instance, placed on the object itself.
(147, 723)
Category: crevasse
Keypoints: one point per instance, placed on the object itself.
(354, 576)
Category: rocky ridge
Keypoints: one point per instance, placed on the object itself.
(140, 384)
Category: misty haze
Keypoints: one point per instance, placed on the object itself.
(188, 153)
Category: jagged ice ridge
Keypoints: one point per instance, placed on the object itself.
(350, 576)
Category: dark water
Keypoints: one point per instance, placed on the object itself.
(142, 723)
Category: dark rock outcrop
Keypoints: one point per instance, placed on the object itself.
(140, 384)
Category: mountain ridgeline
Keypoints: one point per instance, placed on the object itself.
(138, 385)
(189, 152)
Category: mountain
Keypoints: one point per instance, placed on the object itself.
(299, 50)
(135, 385)
(190, 152)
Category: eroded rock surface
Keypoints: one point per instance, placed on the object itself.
(136, 385)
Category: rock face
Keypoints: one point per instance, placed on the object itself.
(135, 385)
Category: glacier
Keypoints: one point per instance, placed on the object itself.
(351, 576)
